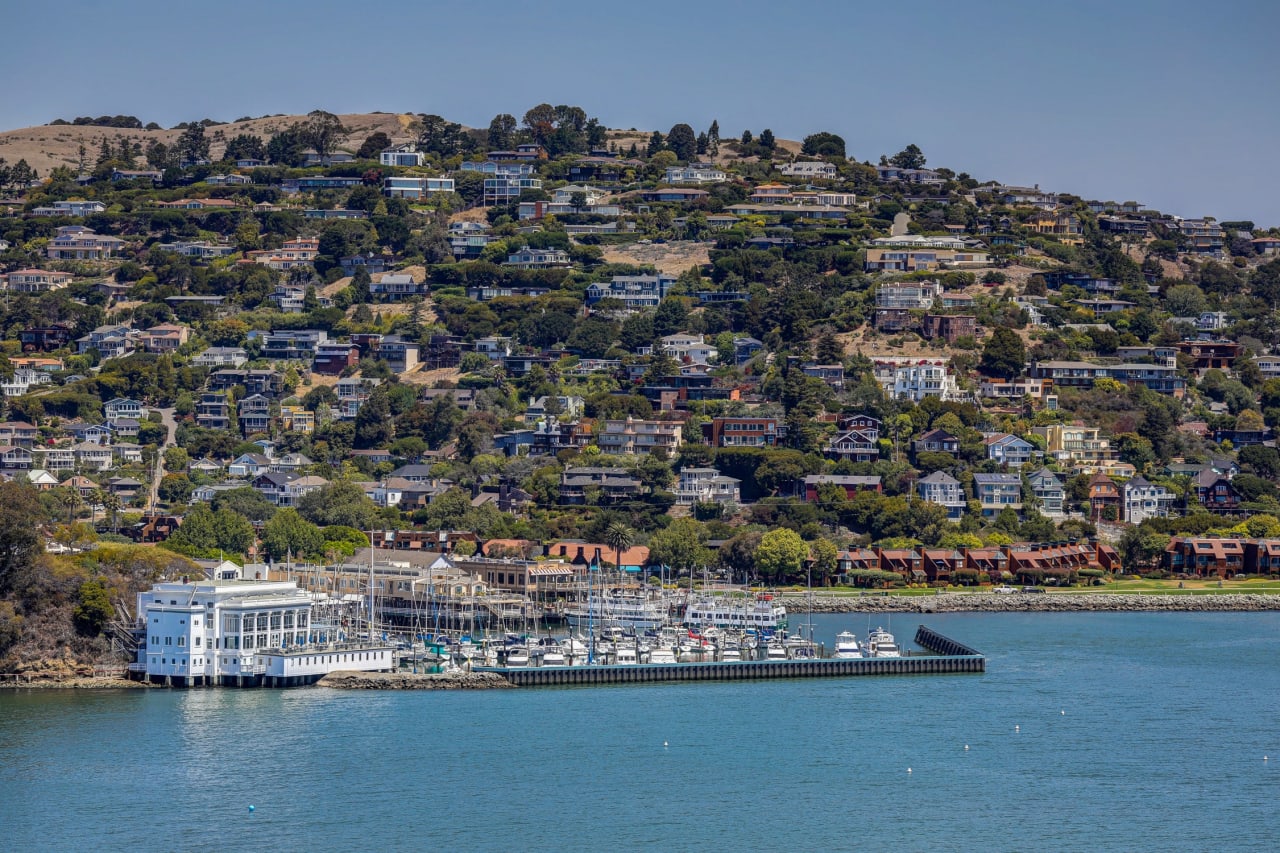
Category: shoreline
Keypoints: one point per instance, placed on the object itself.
(1109, 602)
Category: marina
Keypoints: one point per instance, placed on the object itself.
(946, 656)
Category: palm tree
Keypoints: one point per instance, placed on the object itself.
(71, 499)
(111, 503)
(619, 537)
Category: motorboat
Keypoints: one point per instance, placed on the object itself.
(618, 609)
(847, 646)
(517, 656)
(881, 644)
(626, 656)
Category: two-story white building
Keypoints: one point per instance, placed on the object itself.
(243, 633)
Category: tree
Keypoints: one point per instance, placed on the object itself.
(192, 146)
(1184, 300)
(93, 610)
(288, 534)
(20, 545)
(824, 554)
(502, 131)
(324, 132)
(619, 537)
(910, 157)
(438, 136)
(1005, 354)
(767, 142)
(247, 502)
(656, 144)
(373, 145)
(682, 141)
(245, 146)
(823, 145)
(339, 503)
(373, 422)
(781, 554)
(679, 546)
(286, 147)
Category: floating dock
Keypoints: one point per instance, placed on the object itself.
(948, 656)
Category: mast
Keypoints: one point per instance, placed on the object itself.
(371, 549)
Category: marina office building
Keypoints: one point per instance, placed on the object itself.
(243, 633)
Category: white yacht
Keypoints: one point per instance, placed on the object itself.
(847, 646)
(517, 656)
(760, 613)
(881, 644)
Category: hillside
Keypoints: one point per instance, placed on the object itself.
(46, 147)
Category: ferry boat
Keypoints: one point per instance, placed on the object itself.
(881, 644)
(762, 613)
(633, 612)
(847, 646)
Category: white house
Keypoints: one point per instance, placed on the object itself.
(809, 169)
(917, 381)
(943, 489)
(232, 631)
(1143, 500)
(707, 485)
(694, 173)
(401, 155)
(688, 348)
(122, 407)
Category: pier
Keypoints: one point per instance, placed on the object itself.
(949, 656)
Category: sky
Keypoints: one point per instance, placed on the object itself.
(1172, 104)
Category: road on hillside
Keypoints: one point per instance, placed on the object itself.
(171, 428)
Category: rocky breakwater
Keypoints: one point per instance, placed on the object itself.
(347, 680)
(1033, 603)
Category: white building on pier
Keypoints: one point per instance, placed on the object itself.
(231, 631)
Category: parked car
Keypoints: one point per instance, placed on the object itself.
(1004, 590)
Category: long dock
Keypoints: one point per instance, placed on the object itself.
(949, 657)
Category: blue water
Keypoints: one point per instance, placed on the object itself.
(1168, 717)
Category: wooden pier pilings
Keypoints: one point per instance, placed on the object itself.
(953, 658)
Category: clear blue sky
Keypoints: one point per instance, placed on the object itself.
(1173, 104)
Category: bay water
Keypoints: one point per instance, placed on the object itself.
(1105, 731)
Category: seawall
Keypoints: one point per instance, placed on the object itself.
(347, 680)
(1031, 603)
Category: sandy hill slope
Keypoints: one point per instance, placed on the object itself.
(48, 146)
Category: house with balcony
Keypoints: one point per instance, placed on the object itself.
(635, 292)
(78, 243)
(35, 281)
(1104, 495)
(111, 341)
(694, 173)
(413, 187)
(944, 490)
(854, 445)
(743, 432)
(917, 381)
(123, 407)
(581, 485)
(1027, 197)
(404, 156)
(333, 357)
(537, 259)
(897, 174)
(640, 436)
(1081, 449)
(254, 415)
(401, 355)
(293, 344)
(997, 492)
(165, 339)
(1204, 556)
(506, 188)
(1207, 355)
(352, 393)
(297, 419)
(936, 441)
(268, 383)
(810, 169)
(1009, 449)
(1143, 500)
(13, 458)
(73, 208)
(221, 357)
(1205, 235)
(1049, 491)
(707, 485)
(1162, 378)
(213, 411)
(93, 457)
(1215, 493)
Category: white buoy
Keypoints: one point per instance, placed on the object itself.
(1264, 758)
(1064, 713)
(966, 747)
(908, 769)
(1017, 728)
(664, 744)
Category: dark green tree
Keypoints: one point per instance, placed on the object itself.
(823, 145)
(683, 142)
(910, 157)
(1005, 354)
(656, 144)
(373, 145)
(324, 132)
